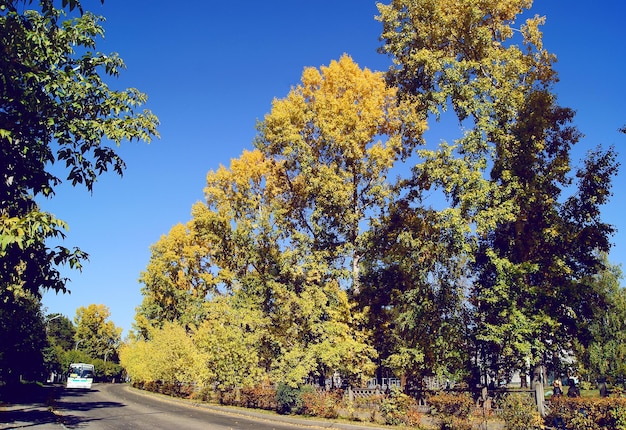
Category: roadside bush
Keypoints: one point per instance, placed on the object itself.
(588, 413)
(228, 397)
(321, 403)
(364, 408)
(457, 405)
(205, 394)
(519, 412)
(453, 410)
(290, 399)
(259, 397)
(400, 409)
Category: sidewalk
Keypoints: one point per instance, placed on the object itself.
(30, 409)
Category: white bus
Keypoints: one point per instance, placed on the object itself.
(80, 375)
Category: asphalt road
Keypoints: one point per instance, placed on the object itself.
(116, 406)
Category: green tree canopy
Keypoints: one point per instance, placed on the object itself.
(95, 335)
(503, 180)
(23, 335)
(56, 107)
(60, 331)
(605, 354)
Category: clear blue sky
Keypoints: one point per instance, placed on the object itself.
(211, 70)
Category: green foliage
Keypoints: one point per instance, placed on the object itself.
(447, 404)
(54, 106)
(288, 399)
(605, 354)
(60, 331)
(74, 356)
(399, 409)
(585, 385)
(107, 371)
(95, 335)
(589, 413)
(619, 415)
(524, 252)
(410, 287)
(23, 339)
(519, 412)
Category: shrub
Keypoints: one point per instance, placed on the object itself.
(321, 403)
(588, 413)
(400, 409)
(618, 414)
(454, 423)
(150, 386)
(204, 394)
(519, 412)
(453, 410)
(259, 397)
(287, 399)
(227, 397)
(457, 405)
(585, 385)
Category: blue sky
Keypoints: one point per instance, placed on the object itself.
(211, 70)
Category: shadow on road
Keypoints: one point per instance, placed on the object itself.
(68, 403)
(26, 417)
(28, 393)
(31, 405)
(27, 405)
(85, 406)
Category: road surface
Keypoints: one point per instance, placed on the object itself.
(115, 406)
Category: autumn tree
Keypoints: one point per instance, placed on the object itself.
(176, 281)
(95, 334)
(502, 180)
(169, 356)
(55, 107)
(227, 342)
(334, 139)
(258, 263)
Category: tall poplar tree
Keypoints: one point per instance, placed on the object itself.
(95, 334)
(502, 180)
(335, 138)
(176, 281)
(306, 326)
